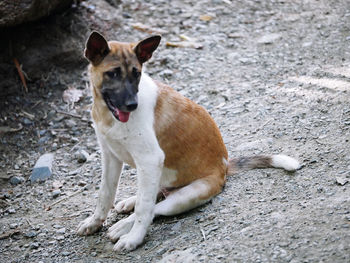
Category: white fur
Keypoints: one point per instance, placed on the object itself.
(126, 205)
(168, 177)
(181, 200)
(135, 143)
(285, 162)
(122, 227)
(111, 168)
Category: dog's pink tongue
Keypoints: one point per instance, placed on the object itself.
(123, 116)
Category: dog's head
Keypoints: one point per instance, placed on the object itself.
(116, 70)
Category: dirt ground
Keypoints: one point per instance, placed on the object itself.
(274, 75)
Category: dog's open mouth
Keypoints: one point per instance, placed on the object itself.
(122, 116)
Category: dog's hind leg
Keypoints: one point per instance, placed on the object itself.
(127, 205)
(178, 201)
(190, 196)
(111, 169)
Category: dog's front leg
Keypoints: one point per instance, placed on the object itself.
(149, 171)
(111, 169)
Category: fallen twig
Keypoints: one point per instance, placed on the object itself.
(73, 215)
(28, 115)
(5, 129)
(29, 223)
(10, 233)
(4, 202)
(262, 126)
(70, 114)
(21, 75)
(36, 104)
(148, 29)
(150, 250)
(203, 234)
(171, 222)
(75, 146)
(65, 198)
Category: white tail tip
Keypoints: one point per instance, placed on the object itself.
(285, 162)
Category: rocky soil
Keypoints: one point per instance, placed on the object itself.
(274, 75)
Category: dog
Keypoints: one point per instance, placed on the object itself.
(173, 143)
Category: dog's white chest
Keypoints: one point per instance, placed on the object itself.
(135, 138)
(119, 151)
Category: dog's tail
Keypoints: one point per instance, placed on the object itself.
(263, 161)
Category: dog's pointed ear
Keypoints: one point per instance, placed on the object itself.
(96, 48)
(144, 49)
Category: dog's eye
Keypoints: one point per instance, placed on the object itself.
(135, 73)
(114, 74)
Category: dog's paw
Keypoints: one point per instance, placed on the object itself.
(121, 228)
(89, 226)
(126, 205)
(128, 242)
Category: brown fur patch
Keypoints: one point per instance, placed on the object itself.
(190, 139)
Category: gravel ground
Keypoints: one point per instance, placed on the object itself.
(274, 75)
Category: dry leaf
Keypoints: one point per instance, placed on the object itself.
(185, 44)
(72, 95)
(235, 35)
(206, 18)
(148, 29)
(222, 104)
(187, 38)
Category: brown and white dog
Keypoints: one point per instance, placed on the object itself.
(174, 143)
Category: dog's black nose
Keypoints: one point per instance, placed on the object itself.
(131, 105)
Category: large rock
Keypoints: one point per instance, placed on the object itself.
(15, 12)
(43, 168)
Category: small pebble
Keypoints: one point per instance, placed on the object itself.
(82, 183)
(30, 234)
(61, 231)
(15, 180)
(26, 121)
(56, 193)
(13, 226)
(11, 211)
(34, 245)
(82, 156)
(65, 253)
(70, 123)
